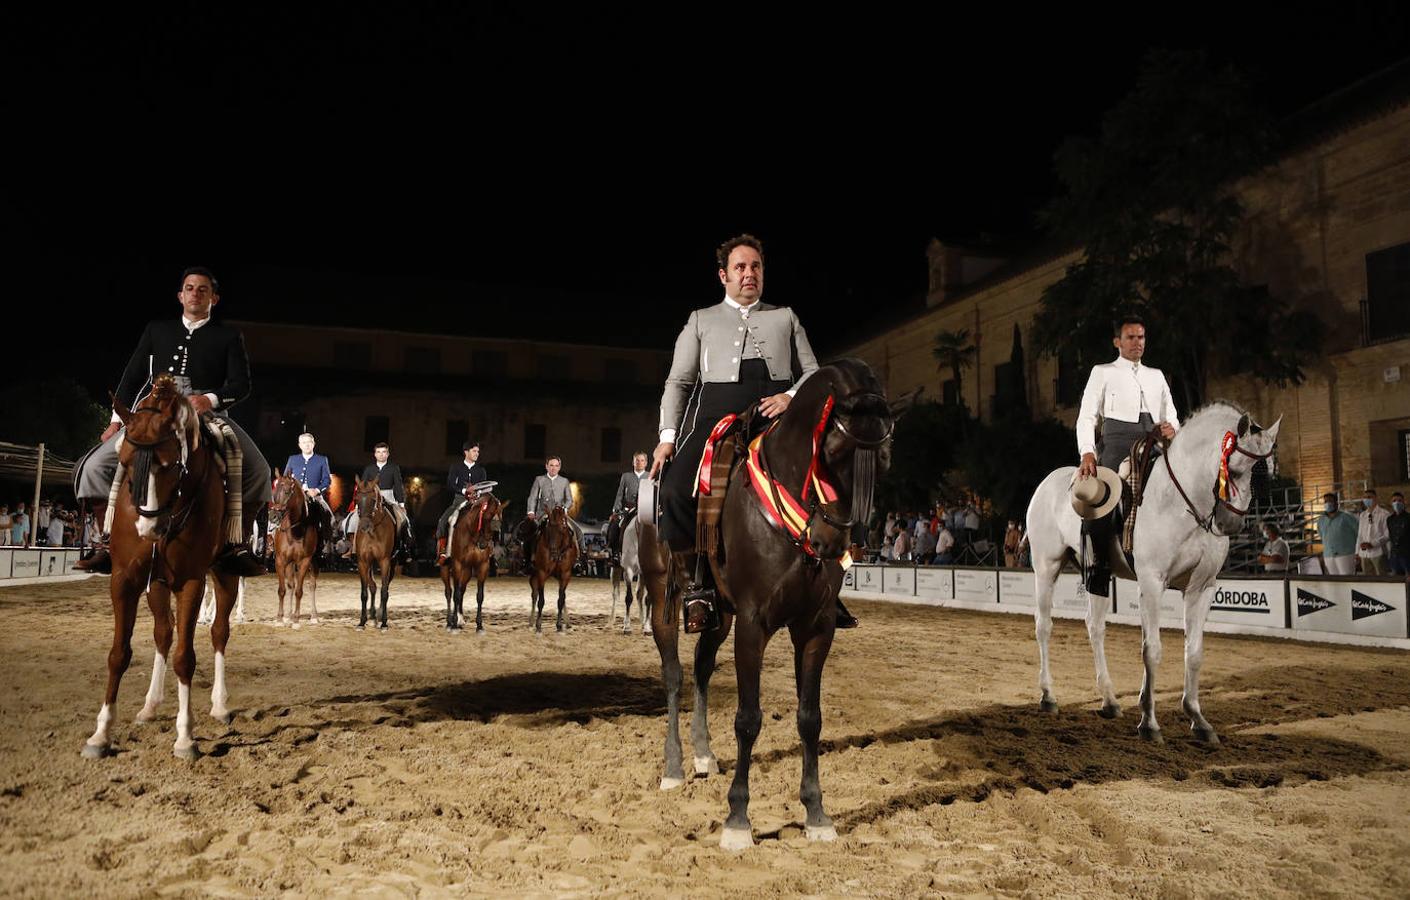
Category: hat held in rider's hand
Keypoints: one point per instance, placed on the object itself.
(1094, 497)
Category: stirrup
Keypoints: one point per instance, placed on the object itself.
(844, 618)
(236, 559)
(700, 614)
(100, 562)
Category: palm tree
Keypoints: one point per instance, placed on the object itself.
(953, 351)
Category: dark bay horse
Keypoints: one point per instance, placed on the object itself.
(375, 545)
(297, 524)
(786, 523)
(470, 552)
(554, 556)
(166, 532)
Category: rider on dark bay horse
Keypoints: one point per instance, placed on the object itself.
(387, 476)
(461, 476)
(549, 491)
(727, 356)
(208, 362)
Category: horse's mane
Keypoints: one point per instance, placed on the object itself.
(1214, 417)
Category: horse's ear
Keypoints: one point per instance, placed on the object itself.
(1271, 434)
(120, 408)
(278, 474)
(1244, 421)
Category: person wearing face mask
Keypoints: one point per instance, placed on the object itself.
(1275, 555)
(1372, 537)
(1338, 532)
(1398, 530)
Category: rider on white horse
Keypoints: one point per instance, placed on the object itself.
(1130, 399)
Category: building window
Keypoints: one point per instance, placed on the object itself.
(553, 368)
(423, 360)
(352, 355)
(375, 429)
(535, 441)
(620, 371)
(1386, 312)
(611, 445)
(489, 363)
(457, 433)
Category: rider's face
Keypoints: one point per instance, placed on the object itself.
(1132, 342)
(381, 454)
(306, 444)
(197, 296)
(552, 466)
(472, 455)
(743, 278)
(639, 462)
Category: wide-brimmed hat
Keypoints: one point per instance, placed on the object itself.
(1093, 498)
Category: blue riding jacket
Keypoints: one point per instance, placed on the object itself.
(312, 472)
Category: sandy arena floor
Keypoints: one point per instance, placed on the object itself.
(414, 762)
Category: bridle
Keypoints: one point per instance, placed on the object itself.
(368, 523)
(483, 538)
(278, 510)
(141, 469)
(1224, 488)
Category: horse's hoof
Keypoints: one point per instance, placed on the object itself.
(95, 751)
(820, 832)
(707, 765)
(382, 627)
(1048, 705)
(453, 630)
(736, 839)
(144, 716)
(670, 784)
(294, 626)
(1206, 736)
(279, 623)
(361, 626)
(223, 716)
(239, 620)
(1109, 711)
(479, 632)
(190, 754)
(1150, 734)
(315, 621)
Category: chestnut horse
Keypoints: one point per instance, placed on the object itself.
(166, 531)
(469, 555)
(780, 564)
(554, 555)
(375, 544)
(296, 525)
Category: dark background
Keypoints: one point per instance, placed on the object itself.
(511, 171)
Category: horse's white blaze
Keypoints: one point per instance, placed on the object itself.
(183, 717)
(146, 527)
(156, 692)
(100, 735)
(218, 692)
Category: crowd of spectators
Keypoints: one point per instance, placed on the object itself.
(51, 525)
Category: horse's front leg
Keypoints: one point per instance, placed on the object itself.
(1045, 572)
(386, 571)
(1196, 610)
(750, 639)
(311, 572)
(480, 597)
(159, 602)
(188, 598)
(810, 649)
(286, 573)
(363, 578)
(1151, 589)
(1097, 608)
(125, 593)
(706, 650)
(537, 588)
(226, 590)
(562, 601)
(457, 604)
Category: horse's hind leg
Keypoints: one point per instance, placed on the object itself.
(1196, 609)
(749, 641)
(184, 662)
(226, 590)
(1045, 572)
(124, 594)
(240, 602)
(810, 654)
(612, 614)
(207, 615)
(159, 602)
(1151, 590)
(667, 637)
(706, 650)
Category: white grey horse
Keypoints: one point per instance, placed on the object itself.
(207, 614)
(1181, 541)
(628, 573)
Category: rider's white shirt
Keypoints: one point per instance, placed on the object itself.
(1122, 390)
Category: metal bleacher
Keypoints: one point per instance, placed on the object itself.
(1294, 510)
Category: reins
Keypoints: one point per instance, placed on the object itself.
(1224, 488)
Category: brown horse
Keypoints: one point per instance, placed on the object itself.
(297, 524)
(554, 555)
(779, 565)
(375, 544)
(166, 533)
(471, 549)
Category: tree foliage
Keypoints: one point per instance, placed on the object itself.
(54, 411)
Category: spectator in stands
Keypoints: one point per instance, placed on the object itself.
(944, 547)
(925, 543)
(971, 524)
(54, 533)
(921, 526)
(901, 546)
(1025, 552)
(1275, 556)
(5, 523)
(1012, 538)
(1338, 532)
(19, 527)
(41, 521)
(1398, 529)
(1372, 536)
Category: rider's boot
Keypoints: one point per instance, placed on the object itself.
(440, 551)
(701, 599)
(99, 562)
(236, 559)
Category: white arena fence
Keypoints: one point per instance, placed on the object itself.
(36, 565)
(1329, 609)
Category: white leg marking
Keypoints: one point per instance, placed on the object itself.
(240, 602)
(736, 839)
(156, 692)
(670, 784)
(218, 692)
(313, 602)
(97, 745)
(184, 747)
(706, 765)
(820, 832)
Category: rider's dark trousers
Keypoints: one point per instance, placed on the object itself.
(1117, 438)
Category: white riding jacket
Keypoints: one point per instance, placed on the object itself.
(1122, 390)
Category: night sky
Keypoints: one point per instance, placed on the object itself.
(567, 175)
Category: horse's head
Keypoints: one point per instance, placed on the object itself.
(1223, 439)
(161, 435)
(367, 495)
(287, 501)
(856, 445)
